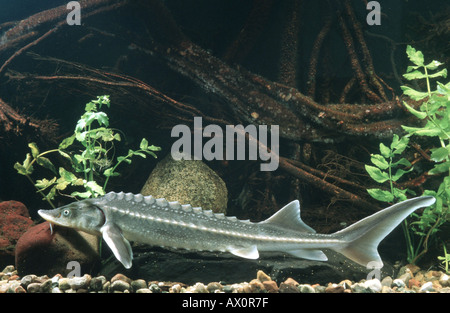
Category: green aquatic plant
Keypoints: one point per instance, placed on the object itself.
(435, 112)
(87, 164)
(445, 260)
(384, 169)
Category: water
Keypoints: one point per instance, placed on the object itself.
(20, 9)
(246, 54)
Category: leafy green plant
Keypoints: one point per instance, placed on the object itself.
(93, 161)
(445, 260)
(435, 113)
(385, 169)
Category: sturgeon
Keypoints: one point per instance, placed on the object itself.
(124, 217)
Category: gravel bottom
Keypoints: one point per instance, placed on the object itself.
(410, 280)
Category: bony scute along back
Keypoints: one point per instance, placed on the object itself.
(258, 143)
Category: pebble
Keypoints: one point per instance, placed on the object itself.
(386, 289)
(175, 288)
(405, 277)
(154, 288)
(121, 277)
(436, 285)
(80, 282)
(199, 288)
(28, 279)
(12, 285)
(444, 280)
(34, 288)
(291, 282)
(262, 277)
(319, 289)
(387, 281)
(346, 284)
(138, 284)
(46, 287)
(432, 275)
(41, 279)
(64, 284)
(19, 289)
(288, 288)
(413, 269)
(237, 288)
(413, 282)
(97, 283)
(9, 269)
(398, 283)
(106, 286)
(120, 285)
(334, 288)
(359, 288)
(256, 286)
(306, 289)
(419, 276)
(55, 280)
(3, 286)
(270, 286)
(374, 285)
(428, 286)
(227, 289)
(245, 288)
(409, 280)
(212, 287)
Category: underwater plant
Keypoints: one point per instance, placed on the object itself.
(445, 260)
(97, 139)
(383, 170)
(435, 111)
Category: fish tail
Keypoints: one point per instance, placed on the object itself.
(362, 238)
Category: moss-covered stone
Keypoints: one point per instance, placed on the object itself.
(188, 182)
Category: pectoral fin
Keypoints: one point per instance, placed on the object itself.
(250, 252)
(118, 244)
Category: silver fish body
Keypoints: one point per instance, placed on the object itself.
(123, 217)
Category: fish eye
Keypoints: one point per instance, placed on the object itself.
(66, 213)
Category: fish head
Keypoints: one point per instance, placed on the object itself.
(82, 215)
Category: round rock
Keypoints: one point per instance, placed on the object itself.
(14, 222)
(374, 285)
(80, 282)
(34, 288)
(188, 182)
(120, 285)
(41, 252)
(138, 284)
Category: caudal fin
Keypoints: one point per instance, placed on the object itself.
(362, 238)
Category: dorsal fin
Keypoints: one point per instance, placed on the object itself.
(288, 217)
